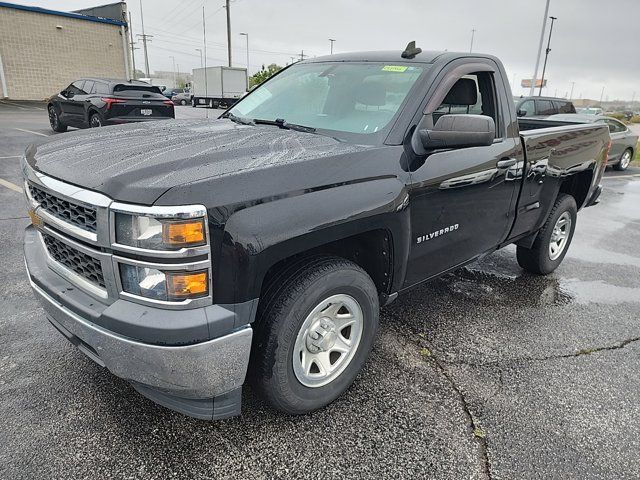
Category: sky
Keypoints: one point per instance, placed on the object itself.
(595, 43)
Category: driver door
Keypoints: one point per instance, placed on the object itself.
(461, 198)
(71, 103)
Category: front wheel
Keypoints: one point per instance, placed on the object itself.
(625, 160)
(553, 239)
(183, 102)
(54, 120)
(313, 334)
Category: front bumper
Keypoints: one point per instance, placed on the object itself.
(201, 379)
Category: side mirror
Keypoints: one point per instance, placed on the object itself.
(456, 131)
(521, 113)
(69, 94)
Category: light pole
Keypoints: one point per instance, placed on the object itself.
(601, 96)
(331, 40)
(546, 55)
(174, 69)
(535, 71)
(200, 50)
(573, 84)
(473, 34)
(247, 35)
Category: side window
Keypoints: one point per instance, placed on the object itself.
(527, 109)
(478, 88)
(544, 107)
(564, 107)
(88, 86)
(76, 88)
(615, 127)
(100, 88)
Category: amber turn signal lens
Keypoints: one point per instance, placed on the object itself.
(183, 234)
(187, 285)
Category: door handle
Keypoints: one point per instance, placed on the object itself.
(506, 163)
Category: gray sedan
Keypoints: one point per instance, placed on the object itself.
(623, 141)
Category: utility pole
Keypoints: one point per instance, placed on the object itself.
(174, 69)
(473, 34)
(133, 57)
(293, 60)
(302, 55)
(331, 40)
(228, 29)
(601, 95)
(144, 42)
(573, 84)
(535, 71)
(546, 55)
(204, 44)
(200, 50)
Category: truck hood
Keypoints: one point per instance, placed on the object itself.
(137, 163)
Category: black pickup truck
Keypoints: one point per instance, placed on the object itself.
(189, 256)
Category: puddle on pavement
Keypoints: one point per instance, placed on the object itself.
(597, 291)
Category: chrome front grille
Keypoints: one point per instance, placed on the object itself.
(75, 214)
(84, 265)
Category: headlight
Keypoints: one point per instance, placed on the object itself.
(164, 285)
(159, 233)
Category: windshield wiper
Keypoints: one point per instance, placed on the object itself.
(237, 119)
(282, 123)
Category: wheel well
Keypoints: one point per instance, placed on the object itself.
(372, 251)
(577, 186)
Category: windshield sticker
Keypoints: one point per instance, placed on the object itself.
(394, 68)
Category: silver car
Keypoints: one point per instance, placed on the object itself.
(183, 98)
(623, 141)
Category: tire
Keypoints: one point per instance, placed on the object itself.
(543, 258)
(288, 329)
(193, 103)
(183, 102)
(215, 104)
(95, 120)
(625, 160)
(54, 120)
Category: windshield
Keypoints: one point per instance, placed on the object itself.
(359, 98)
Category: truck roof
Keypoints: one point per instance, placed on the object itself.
(394, 56)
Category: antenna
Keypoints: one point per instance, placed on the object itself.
(411, 50)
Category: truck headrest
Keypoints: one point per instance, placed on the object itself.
(372, 94)
(463, 92)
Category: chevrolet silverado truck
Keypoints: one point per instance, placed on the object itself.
(190, 256)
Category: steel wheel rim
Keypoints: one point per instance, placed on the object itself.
(626, 159)
(328, 340)
(95, 121)
(560, 235)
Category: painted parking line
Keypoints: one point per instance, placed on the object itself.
(21, 106)
(623, 176)
(31, 131)
(10, 186)
(10, 156)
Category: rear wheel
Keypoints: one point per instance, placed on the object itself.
(95, 120)
(314, 334)
(183, 102)
(553, 239)
(625, 160)
(54, 120)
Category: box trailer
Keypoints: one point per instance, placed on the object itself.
(213, 87)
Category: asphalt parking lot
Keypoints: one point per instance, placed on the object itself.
(485, 373)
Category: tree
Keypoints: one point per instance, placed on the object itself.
(264, 74)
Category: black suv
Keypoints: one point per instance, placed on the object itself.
(543, 106)
(94, 102)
